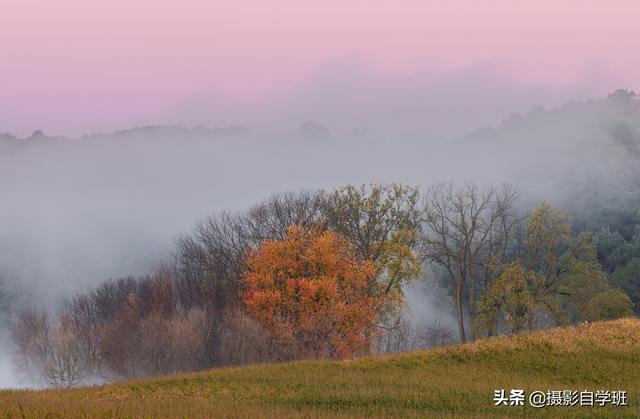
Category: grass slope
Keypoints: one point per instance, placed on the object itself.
(458, 381)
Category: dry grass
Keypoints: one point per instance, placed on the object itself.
(450, 382)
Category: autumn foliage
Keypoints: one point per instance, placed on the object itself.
(311, 292)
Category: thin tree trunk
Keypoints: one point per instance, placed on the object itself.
(368, 339)
(460, 313)
(472, 306)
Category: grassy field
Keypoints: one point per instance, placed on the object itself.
(457, 381)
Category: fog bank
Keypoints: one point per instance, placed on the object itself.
(78, 211)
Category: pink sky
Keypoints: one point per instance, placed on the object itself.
(76, 65)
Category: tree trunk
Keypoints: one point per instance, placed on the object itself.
(472, 306)
(368, 339)
(459, 312)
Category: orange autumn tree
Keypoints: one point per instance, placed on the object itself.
(309, 290)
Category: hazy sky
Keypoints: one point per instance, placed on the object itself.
(70, 66)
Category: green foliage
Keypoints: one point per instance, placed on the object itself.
(570, 282)
(548, 233)
(509, 295)
(582, 277)
(578, 290)
(382, 221)
(567, 279)
(608, 305)
(614, 251)
(612, 207)
(627, 278)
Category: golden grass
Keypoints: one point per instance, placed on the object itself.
(457, 381)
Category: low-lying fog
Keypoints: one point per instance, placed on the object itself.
(74, 212)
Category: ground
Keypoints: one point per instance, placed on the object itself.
(457, 381)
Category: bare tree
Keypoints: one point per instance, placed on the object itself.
(467, 231)
(404, 336)
(210, 260)
(30, 333)
(394, 337)
(269, 220)
(243, 341)
(81, 315)
(436, 334)
(65, 362)
(53, 353)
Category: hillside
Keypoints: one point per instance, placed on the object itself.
(457, 381)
